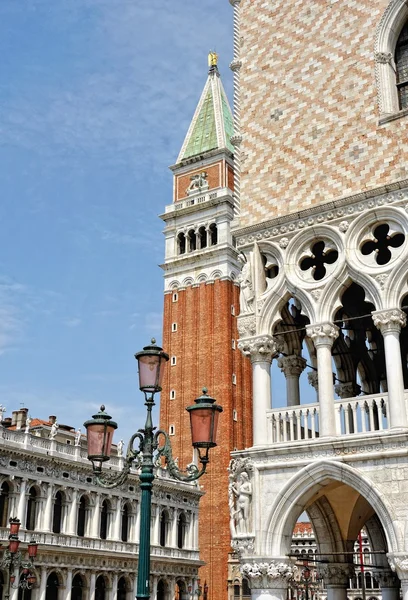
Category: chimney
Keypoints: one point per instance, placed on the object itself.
(52, 419)
(6, 422)
(19, 418)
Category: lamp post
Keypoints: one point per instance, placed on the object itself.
(153, 445)
(13, 559)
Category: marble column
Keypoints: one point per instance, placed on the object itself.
(336, 579)
(323, 336)
(73, 513)
(261, 350)
(92, 586)
(68, 585)
(115, 586)
(292, 367)
(43, 583)
(173, 513)
(22, 506)
(399, 565)
(156, 510)
(268, 580)
(116, 533)
(389, 322)
(94, 518)
(47, 520)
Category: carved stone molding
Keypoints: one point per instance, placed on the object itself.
(387, 579)
(347, 390)
(313, 379)
(399, 564)
(236, 140)
(268, 575)
(243, 545)
(383, 58)
(235, 65)
(336, 573)
(240, 503)
(322, 334)
(260, 349)
(292, 365)
(389, 321)
(246, 326)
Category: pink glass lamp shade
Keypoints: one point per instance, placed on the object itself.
(32, 549)
(14, 526)
(100, 430)
(151, 361)
(204, 416)
(14, 543)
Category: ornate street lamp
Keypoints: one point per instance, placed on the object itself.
(153, 445)
(13, 559)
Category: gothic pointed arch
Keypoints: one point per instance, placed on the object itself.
(388, 32)
(301, 491)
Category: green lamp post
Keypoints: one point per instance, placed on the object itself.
(152, 445)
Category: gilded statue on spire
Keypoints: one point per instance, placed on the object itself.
(212, 59)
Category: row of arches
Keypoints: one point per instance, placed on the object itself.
(197, 239)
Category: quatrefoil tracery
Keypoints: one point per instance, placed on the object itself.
(321, 255)
(382, 243)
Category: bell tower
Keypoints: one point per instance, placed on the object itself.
(201, 304)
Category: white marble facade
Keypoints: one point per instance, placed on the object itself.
(88, 536)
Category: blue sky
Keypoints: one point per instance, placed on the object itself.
(96, 97)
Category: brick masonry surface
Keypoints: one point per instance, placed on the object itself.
(309, 111)
(202, 345)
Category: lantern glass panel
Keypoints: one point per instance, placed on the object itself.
(31, 579)
(100, 440)
(14, 527)
(13, 546)
(32, 549)
(204, 422)
(149, 372)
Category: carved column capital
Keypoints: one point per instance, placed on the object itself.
(383, 57)
(387, 579)
(322, 334)
(268, 575)
(235, 65)
(388, 321)
(292, 365)
(262, 348)
(347, 390)
(336, 573)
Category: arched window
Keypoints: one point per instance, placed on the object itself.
(103, 529)
(83, 503)
(57, 513)
(181, 591)
(4, 503)
(192, 240)
(237, 592)
(125, 524)
(77, 587)
(162, 589)
(213, 234)
(246, 592)
(31, 509)
(51, 592)
(164, 527)
(202, 237)
(100, 588)
(181, 243)
(401, 64)
(181, 530)
(121, 589)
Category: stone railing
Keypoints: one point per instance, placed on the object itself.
(194, 200)
(72, 541)
(364, 414)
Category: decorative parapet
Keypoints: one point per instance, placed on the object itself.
(268, 575)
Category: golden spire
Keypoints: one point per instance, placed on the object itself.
(212, 59)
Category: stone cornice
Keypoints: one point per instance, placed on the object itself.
(327, 211)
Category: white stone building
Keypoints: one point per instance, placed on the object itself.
(89, 536)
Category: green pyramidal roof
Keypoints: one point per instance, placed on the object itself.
(212, 124)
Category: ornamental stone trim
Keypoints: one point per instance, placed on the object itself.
(336, 573)
(268, 575)
(347, 390)
(235, 65)
(260, 349)
(389, 321)
(322, 334)
(384, 58)
(399, 564)
(246, 325)
(313, 379)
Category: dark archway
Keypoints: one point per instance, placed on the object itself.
(162, 589)
(121, 589)
(83, 503)
(51, 592)
(103, 529)
(4, 504)
(181, 530)
(31, 509)
(57, 513)
(125, 524)
(100, 588)
(77, 587)
(164, 527)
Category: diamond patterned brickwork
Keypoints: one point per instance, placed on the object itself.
(309, 114)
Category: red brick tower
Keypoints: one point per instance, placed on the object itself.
(200, 307)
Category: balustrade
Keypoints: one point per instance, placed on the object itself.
(354, 416)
